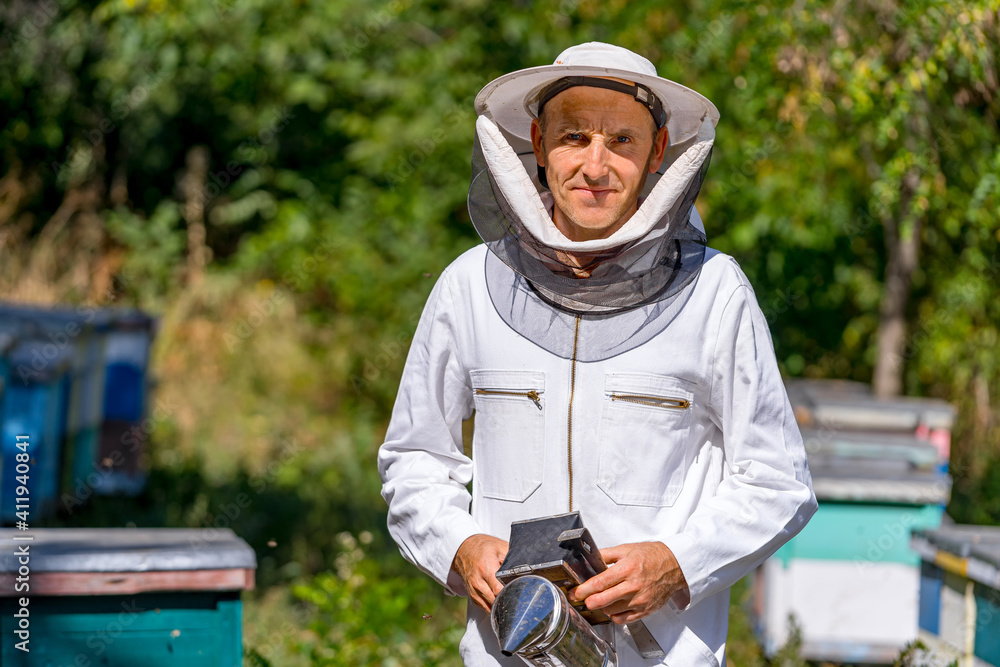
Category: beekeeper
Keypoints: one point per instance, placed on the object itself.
(615, 365)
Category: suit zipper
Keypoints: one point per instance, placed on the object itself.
(569, 418)
(533, 395)
(653, 401)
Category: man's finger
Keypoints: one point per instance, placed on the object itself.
(627, 617)
(603, 581)
(484, 597)
(614, 554)
(617, 607)
(618, 594)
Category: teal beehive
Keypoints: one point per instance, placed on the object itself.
(151, 597)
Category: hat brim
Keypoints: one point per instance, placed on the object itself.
(511, 100)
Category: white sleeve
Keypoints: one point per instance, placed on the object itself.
(422, 463)
(766, 494)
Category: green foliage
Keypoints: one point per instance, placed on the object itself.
(916, 654)
(742, 645)
(789, 655)
(364, 618)
(155, 250)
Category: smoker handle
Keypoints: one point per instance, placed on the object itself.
(581, 541)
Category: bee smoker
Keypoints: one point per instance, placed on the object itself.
(532, 617)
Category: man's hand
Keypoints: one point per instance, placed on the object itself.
(477, 562)
(640, 580)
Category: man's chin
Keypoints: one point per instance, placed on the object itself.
(595, 220)
(593, 229)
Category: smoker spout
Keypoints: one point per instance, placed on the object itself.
(532, 619)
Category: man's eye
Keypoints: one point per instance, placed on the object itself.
(574, 136)
(623, 140)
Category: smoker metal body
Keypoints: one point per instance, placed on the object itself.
(532, 619)
(560, 551)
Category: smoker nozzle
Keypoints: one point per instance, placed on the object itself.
(532, 618)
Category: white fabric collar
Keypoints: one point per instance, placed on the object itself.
(523, 197)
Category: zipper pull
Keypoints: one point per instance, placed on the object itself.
(533, 395)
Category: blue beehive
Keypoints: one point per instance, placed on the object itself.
(126, 397)
(32, 406)
(126, 360)
(79, 333)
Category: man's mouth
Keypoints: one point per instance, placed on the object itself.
(595, 191)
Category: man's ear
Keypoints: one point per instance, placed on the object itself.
(659, 149)
(536, 142)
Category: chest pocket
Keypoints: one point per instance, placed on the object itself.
(509, 436)
(644, 446)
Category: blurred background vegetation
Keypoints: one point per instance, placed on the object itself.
(282, 182)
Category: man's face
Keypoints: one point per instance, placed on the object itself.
(597, 148)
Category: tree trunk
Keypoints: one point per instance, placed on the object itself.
(193, 186)
(903, 254)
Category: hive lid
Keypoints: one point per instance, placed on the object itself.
(56, 317)
(838, 404)
(833, 447)
(37, 361)
(861, 484)
(7, 341)
(978, 542)
(127, 550)
(130, 319)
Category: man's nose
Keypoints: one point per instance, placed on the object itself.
(595, 161)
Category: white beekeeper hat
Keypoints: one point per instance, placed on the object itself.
(511, 101)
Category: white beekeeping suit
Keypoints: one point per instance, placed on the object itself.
(646, 396)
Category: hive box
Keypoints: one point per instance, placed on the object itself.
(150, 597)
(960, 593)
(849, 578)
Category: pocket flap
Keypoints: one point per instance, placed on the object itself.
(662, 386)
(508, 379)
